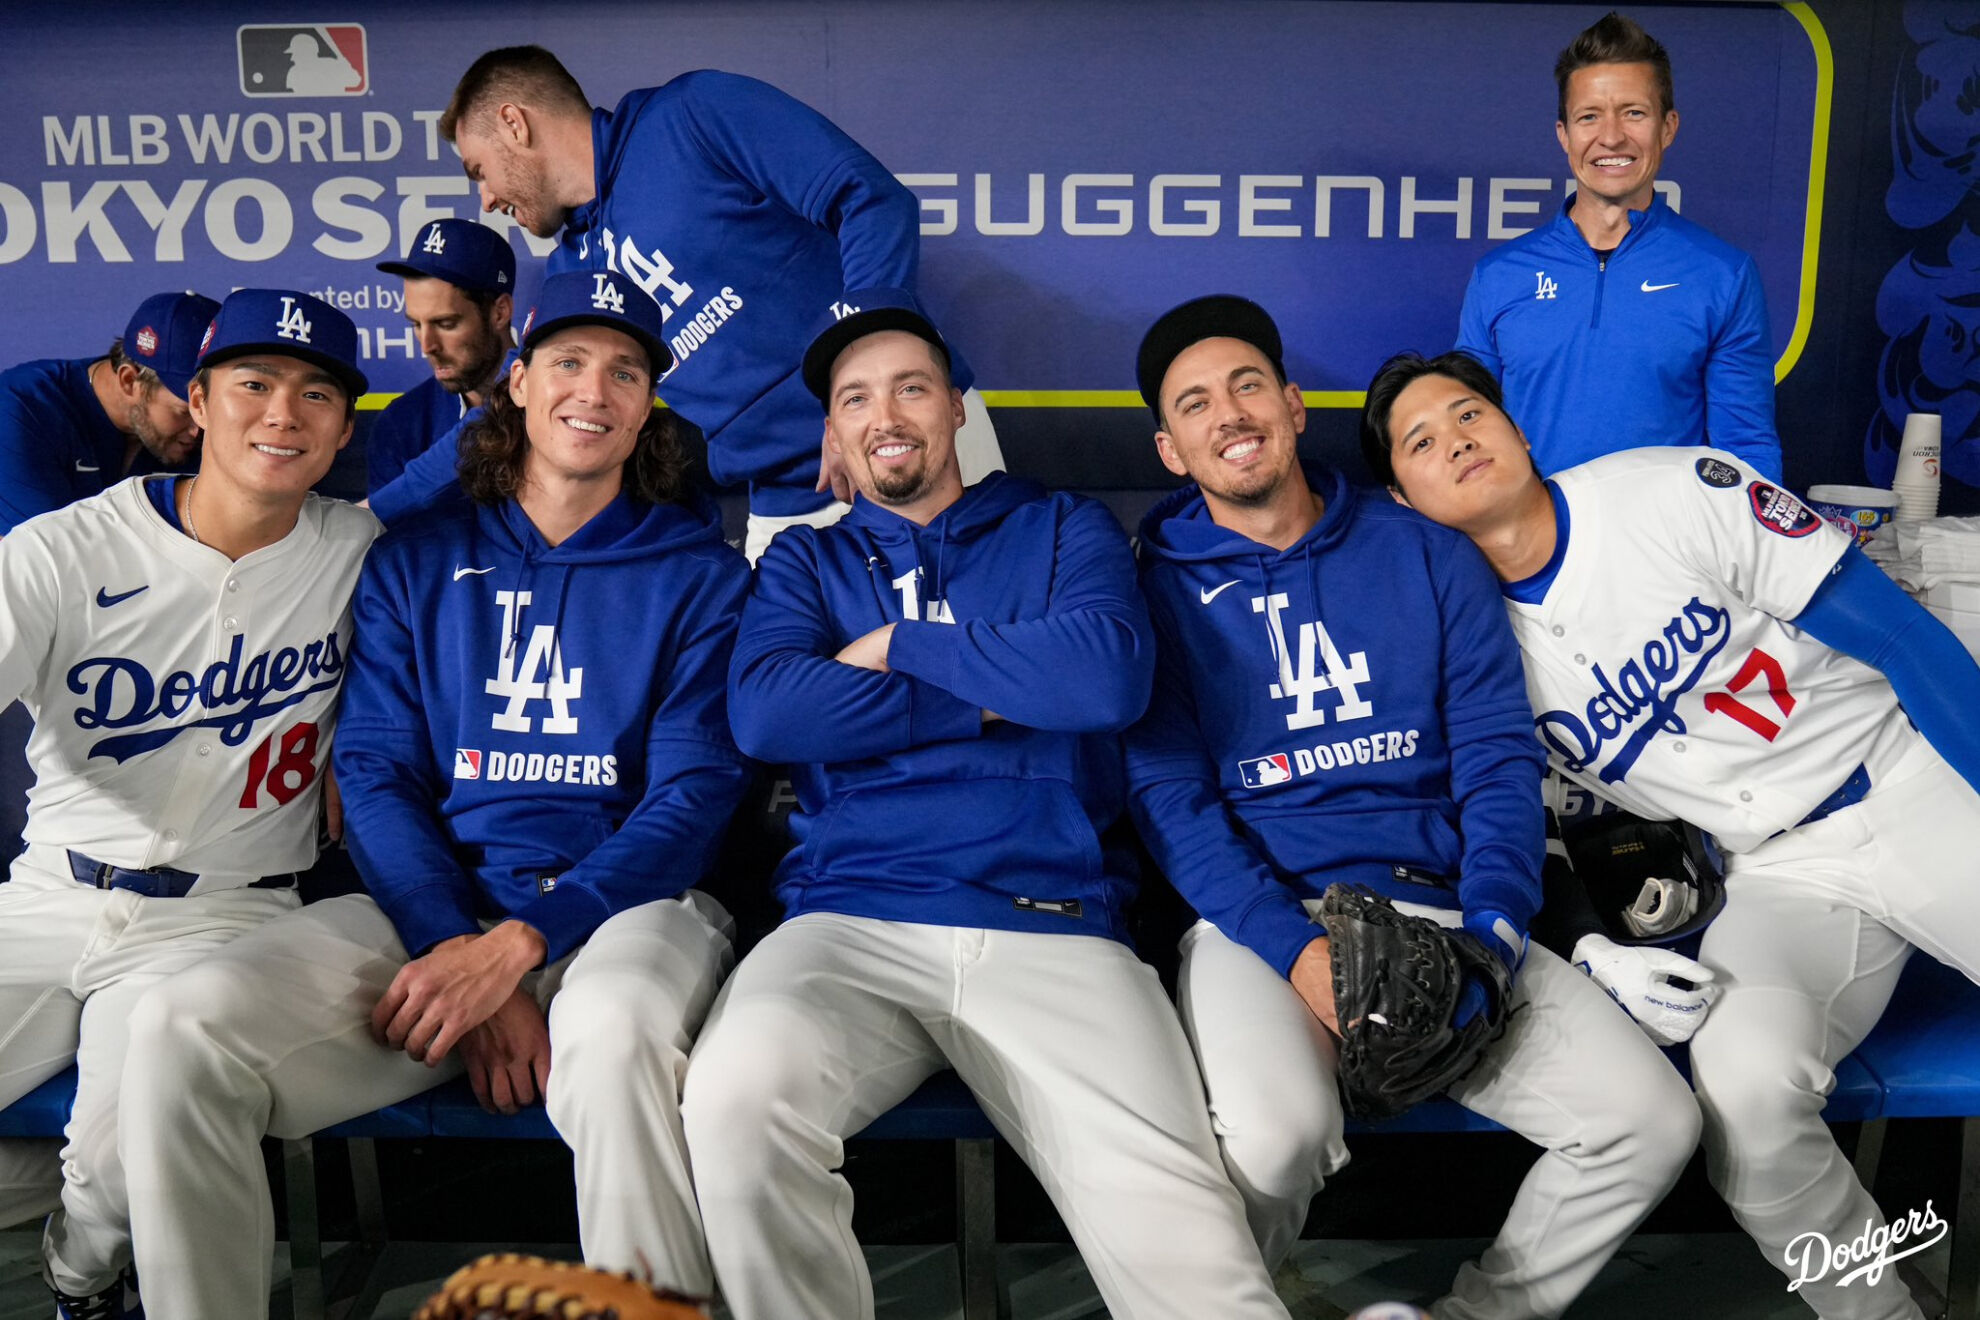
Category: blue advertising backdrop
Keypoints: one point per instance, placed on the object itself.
(1081, 167)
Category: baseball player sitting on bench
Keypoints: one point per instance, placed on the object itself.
(1699, 645)
(179, 642)
(536, 765)
(1338, 699)
(947, 668)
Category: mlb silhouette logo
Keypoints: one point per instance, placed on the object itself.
(319, 59)
(467, 763)
(1265, 771)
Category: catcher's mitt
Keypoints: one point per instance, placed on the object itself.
(1396, 984)
(512, 1287)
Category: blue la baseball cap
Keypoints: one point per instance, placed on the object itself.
(164, 334)
(599, 297)
(856, 315)
(289, 324)
(461, 252)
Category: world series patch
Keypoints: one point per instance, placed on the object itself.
(1715, 472)
(1780, 512)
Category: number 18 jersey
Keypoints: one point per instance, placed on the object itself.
(183, 702)
(1663, 667)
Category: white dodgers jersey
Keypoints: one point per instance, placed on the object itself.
(1661, 672)
(183, 703)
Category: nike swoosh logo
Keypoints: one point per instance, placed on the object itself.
(1648, 287)
(106, 600)
(1211, 593)
(460, 573)
(85, 467)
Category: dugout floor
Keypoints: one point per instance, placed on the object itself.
(1704, 1276)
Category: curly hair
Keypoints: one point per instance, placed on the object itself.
(495, 445)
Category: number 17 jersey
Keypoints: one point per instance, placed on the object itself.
(1663, 667)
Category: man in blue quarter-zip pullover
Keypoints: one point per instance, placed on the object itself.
(744, 212)
(946, 670)
(1621, 323)
(1338, 699)
(536, 766)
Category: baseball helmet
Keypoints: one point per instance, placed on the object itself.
(1650, 881)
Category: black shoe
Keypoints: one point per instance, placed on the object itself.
(119, 1301)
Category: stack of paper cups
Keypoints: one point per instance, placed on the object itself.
(1916, 483)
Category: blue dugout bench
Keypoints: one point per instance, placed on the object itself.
(1923, 1061)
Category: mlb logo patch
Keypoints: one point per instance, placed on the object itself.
(467, 763)
(1265, 771)
(1780, 512)
(316, 59)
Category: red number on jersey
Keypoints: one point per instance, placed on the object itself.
(293, 771)
(1757, 664)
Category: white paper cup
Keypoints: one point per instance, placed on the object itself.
(1918, 451)
(1858, 510)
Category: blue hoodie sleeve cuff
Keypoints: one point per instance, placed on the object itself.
(1278, 930)
(424, 917)
(564, 917)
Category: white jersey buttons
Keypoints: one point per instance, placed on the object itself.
(206, 749)
(233, 584)
(1678, 746)
(1559, 631)
(1745, 795)
(231, 624)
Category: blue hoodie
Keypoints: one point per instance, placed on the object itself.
(539, 732)
(1332, 712)
(910, 806)
(746, 214)
(1664, 343)
(407, 428)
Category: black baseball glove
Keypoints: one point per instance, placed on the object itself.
(1397, 981)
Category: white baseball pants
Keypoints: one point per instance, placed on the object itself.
(74, 963)
(1817, 925)
(1572, 1073)
(1066, 1040)
(274, 1038)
